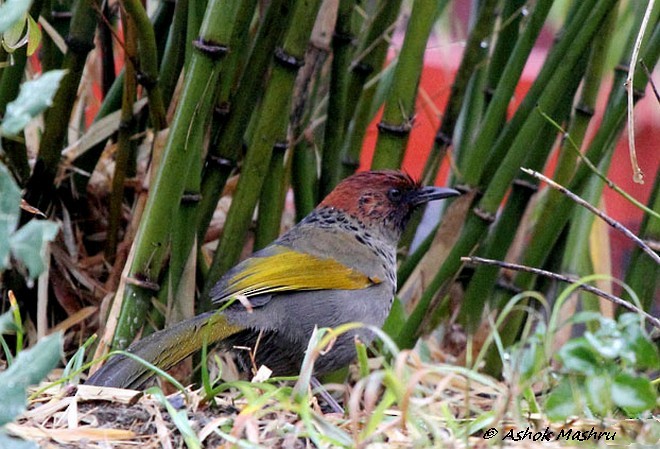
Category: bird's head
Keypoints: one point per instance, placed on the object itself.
(385, 198)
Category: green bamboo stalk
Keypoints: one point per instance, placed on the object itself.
(601, 146)
(40, 188)
(503, 232)
(268, 131)
(584, 108)
(512, 15)
(474, 54)
(107, 57)
(174, 52)
(471, 116)
(337, 115)
(124, 141)
(304, 181)
(153, 236)
(366, 65)
(162, 20)
(86, 162)
(643, 275)
(197, 10)
(575, 258)
(58, 14)
(147, 74)
(225, 149)
(398, 115)
(478, 222)
(473, 164)
(183, 234)
(236, 60)
(372, 49)
(271, 202)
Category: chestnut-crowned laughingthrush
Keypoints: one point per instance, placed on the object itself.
(338, 265)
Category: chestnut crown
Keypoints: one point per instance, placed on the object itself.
(385, 197)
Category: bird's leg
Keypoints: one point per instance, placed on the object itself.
(325, 394)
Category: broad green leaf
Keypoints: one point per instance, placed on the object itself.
(10, 202)
(35, 96)
(11, 11)
(642, 353)
(14, 37)
(29, 367)
(7, 441)
(633, 394)
(28, 244)
(598, 390)
(562, 402)
(607, 342)
(578, 356)
(34, 35)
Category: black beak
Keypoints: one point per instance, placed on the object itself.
(426, 194)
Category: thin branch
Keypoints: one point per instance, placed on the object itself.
(610, 221)
(638, 175)
(564, 278)
(588, 163)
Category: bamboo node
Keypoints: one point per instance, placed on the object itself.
(486, 216)
(220, 161)
(127, 125)
(526, 185)
(191, 197)
(281, 145)
(362, 69)
(222, 110)
(442, 139)
(351, 163)
(146, 81)
(142, 282)
(209, 48)
(78, 46)
(342, 38)
(61, 15)
(287, 60)
(585, 109)
(396, 130)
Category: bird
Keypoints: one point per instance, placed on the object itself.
(336, 266)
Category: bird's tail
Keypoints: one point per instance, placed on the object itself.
(164, 349)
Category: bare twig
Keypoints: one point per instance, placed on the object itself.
(572, 145)
(564, 278)
(610, 221)
(638, 175)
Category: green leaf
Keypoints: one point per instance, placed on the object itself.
(643, 353)
(35, 96)
(562, 402)
(11, 11)
(34, 35)
(578, 356)
(16, 443)
(29, 367)
(10, 202)
(598, 390)
(14, 38)
(633, 394)
(396, 319)
(608, 344)
(7, 323)
(28, 244)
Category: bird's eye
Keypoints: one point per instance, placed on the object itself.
(394, 194)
